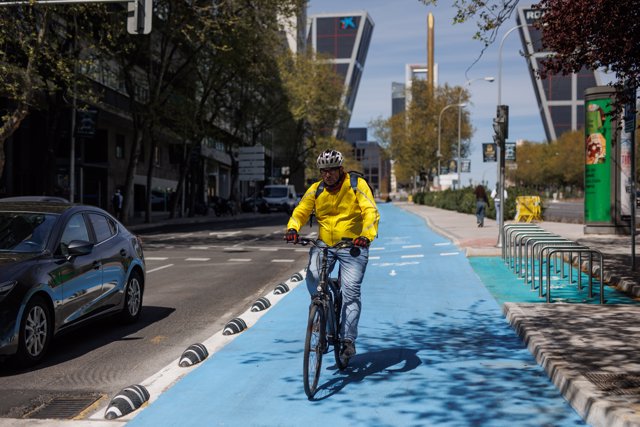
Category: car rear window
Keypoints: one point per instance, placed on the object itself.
(102, 226)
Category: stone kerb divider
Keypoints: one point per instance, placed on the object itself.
(170, 374)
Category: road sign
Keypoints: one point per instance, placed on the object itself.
(139, 16)
(256, 177)
(250, 171)
(251, 164)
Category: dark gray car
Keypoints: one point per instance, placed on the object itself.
(62, 265)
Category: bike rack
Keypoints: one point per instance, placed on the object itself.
(508, 229)
(518, 239)
(547, 246)
(524, 253)
(580, 251)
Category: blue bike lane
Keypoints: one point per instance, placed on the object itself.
(433, 350)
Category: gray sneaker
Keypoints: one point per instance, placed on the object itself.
(348, 349)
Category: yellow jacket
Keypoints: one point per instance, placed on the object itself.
(341, 213)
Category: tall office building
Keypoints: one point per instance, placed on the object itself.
(345, 38)
(560, 98)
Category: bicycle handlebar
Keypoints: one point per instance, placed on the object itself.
(342, 244)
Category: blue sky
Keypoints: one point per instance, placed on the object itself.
(400, 37)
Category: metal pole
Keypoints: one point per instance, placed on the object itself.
(439, 154)
(500, 177)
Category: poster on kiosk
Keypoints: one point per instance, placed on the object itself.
(605, 173)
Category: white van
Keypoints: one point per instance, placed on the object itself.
(280, 198)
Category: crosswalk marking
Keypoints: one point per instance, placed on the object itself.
(268, 249)
(197, 259)
(449, 253)
(442, 244)
(156, 258)
(374, 257)
(411, 246)
(413, 256)
(239, 259)
(201, 248)
(282, 260)
(376, 249)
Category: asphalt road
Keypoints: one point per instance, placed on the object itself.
(198, 278)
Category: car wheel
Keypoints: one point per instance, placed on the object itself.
(133, 299)
(36, 331)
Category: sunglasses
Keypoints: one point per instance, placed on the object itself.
(328, 170)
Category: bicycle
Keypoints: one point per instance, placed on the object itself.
(323, 326)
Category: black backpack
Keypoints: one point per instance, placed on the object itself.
(353, 177)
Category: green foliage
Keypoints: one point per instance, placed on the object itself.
(464, 200)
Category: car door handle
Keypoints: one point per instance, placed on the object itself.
(97, 265)
(123, 252)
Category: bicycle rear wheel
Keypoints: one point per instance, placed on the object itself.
(314, 345)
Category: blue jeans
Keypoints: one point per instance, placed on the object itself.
(351, 274)
(480, 208)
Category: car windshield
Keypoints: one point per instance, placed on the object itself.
(275, 192)
(25, 231)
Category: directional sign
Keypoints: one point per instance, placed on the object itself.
(250, 171)
(256, 177)
(251, 164)
(250, 156)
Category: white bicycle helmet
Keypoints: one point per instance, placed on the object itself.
(330, 159)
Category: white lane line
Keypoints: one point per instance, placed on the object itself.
(239, 260)
(374, 257)
(413, 256)
(376, 249)
(442, 244)
(302, 250)
(197, 259)
(449, 253)
(235, 249)
(156, 258)
(282, 260)
(268, 249)
(159, 268)
(224, 233)
(201, 248)
(411, 246)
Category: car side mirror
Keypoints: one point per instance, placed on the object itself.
(79, 247)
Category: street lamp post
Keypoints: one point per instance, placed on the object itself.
(500, 177)
(439, 154)
(467, 84)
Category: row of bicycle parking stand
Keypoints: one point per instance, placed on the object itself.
(528, 248)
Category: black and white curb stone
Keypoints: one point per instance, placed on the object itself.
(280, 289)
(127, 400)
(195, 353)
(261, 303)
(234, 326)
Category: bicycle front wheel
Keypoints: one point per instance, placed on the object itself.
(314, 345)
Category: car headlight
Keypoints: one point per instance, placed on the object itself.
(6, 287)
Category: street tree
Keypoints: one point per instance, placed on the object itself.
(39, 57)
(411, 137)
(582, 33)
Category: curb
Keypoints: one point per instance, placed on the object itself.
(592, 404)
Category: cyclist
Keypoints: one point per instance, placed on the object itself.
(341, 211)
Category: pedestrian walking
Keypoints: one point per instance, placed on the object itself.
(481, 204)
(116, 202)
(496, 200)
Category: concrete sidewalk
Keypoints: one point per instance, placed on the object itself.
(590, 352)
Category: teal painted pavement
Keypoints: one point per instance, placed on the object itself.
(434, 350)
(505, 286)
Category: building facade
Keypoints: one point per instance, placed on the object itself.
(345, 39)
(560, 97)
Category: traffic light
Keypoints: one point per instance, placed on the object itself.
(139, 15)
(501, 125)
